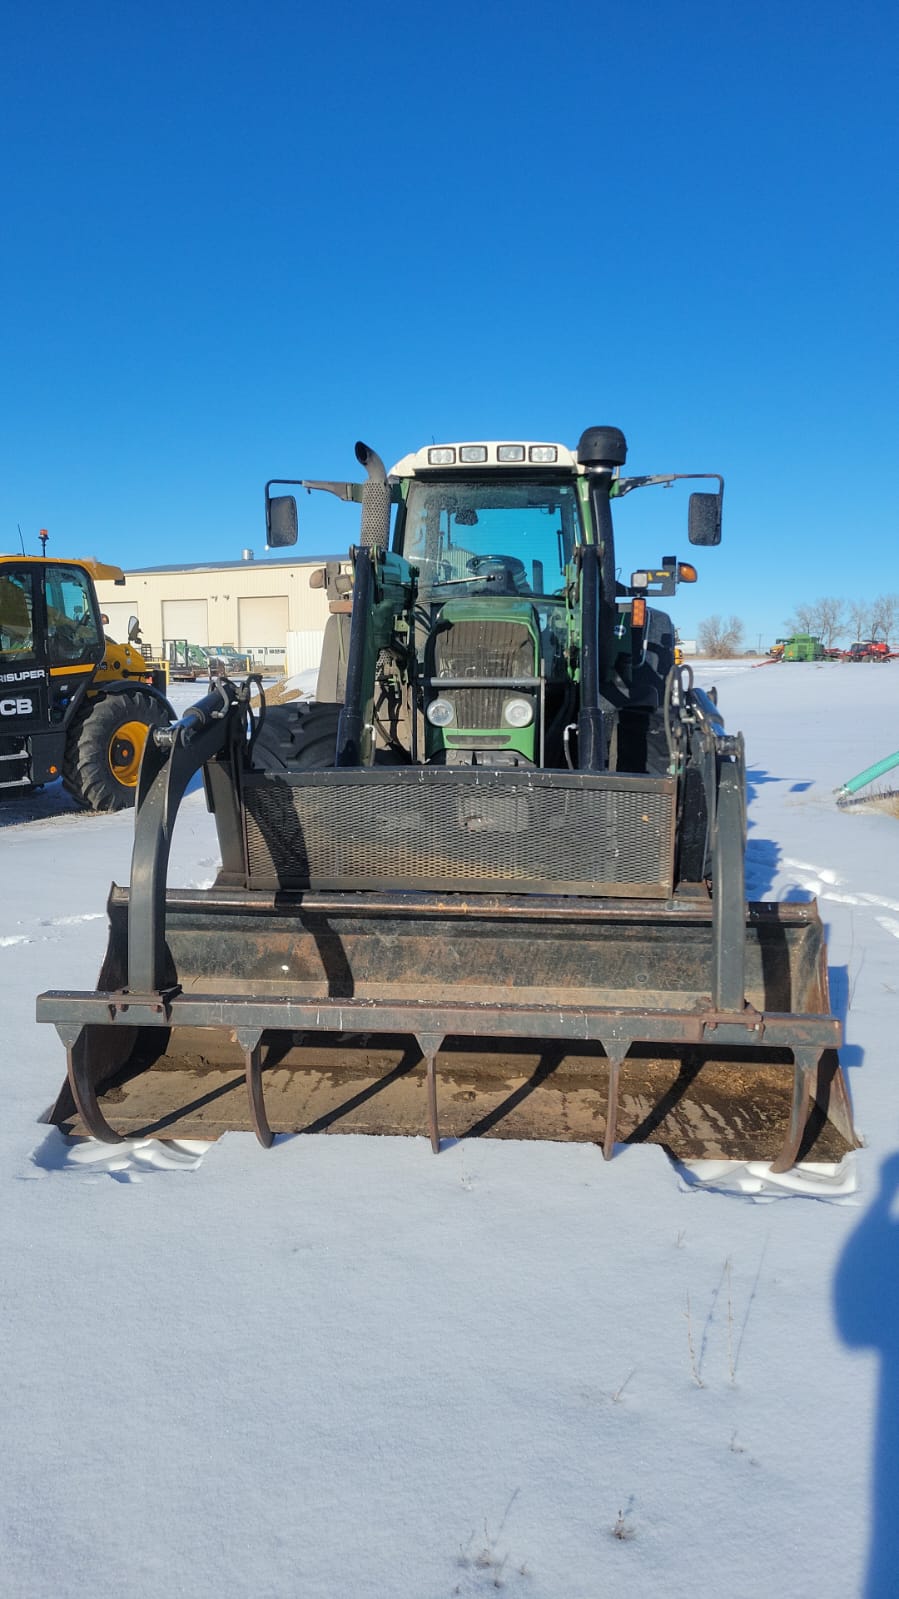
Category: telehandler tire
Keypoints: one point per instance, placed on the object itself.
(104, 748)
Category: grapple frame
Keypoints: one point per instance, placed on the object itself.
(352, 928)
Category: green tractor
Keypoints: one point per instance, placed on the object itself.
(491, 882)
(476, 654)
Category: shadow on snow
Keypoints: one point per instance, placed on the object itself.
(866, 1309)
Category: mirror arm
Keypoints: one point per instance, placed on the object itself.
(623, 485)
(343, 491)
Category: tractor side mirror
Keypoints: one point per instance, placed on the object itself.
(133, 629)
(280, 519)
(704, 519)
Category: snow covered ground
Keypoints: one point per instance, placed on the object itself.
(345, 1367)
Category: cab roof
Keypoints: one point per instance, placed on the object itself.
(100, 571)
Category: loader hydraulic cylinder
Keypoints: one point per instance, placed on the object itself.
(351, 726)
(590, 733)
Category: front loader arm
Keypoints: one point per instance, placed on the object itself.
(171, 758)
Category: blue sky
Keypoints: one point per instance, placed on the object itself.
(240, 237)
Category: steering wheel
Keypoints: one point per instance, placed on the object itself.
(483, 565)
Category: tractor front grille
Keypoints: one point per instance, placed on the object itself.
(473, 647)
(457, 829)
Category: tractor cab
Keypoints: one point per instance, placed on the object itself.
(494, 562)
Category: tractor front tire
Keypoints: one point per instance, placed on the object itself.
(302, 737)
(104, 748)
(297, 737)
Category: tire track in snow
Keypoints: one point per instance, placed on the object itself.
(50, 921)
(823, 884)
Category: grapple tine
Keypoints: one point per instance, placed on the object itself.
(251, 1044)
(616, 1053)
(82, 1085)
(805, 1071)
(429, 1044)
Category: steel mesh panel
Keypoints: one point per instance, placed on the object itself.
(443, 829)
(376, 513)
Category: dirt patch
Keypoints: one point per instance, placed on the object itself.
(887, 801)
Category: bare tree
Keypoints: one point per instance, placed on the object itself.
(825, 619)
(883, 615)
(859, 611)
(720, 638)
(802, 620)
(830, 621)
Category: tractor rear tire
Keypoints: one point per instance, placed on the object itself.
(104, 747)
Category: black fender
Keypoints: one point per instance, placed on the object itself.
(128, 685)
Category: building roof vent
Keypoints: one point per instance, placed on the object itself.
(247, 555)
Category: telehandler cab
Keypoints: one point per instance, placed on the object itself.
(73, 703)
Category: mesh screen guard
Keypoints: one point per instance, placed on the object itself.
(460, 830)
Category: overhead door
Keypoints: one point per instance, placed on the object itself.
(262, 619)
(185, 619)
(119, 613)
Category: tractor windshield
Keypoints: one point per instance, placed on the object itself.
(491, 537)
(16, 616)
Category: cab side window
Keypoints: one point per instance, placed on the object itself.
(16, 614)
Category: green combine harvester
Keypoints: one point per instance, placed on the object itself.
(491, 882)
(801, 647)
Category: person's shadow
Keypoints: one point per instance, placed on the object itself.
(866, 1307)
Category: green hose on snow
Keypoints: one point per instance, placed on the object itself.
(867, 776)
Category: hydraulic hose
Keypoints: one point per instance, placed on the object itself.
(868, 775)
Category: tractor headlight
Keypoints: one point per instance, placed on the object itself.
(518, 713)
(441, 712)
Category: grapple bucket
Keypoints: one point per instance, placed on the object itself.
(510, 1018)
(460, 954)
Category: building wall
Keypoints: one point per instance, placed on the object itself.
(276, 600)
